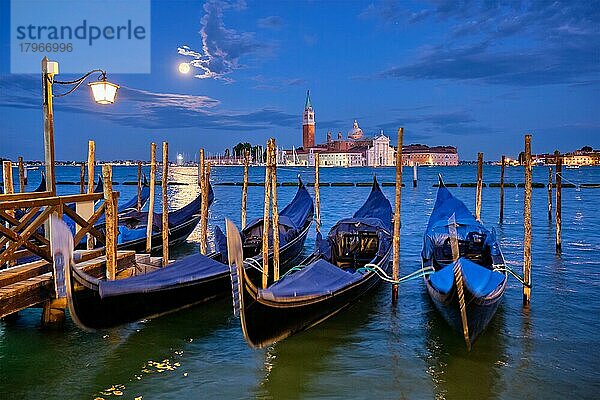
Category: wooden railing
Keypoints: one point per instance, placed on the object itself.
(23, 214)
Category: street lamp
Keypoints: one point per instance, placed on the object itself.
(104, 92)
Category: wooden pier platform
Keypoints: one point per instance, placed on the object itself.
(32, 285)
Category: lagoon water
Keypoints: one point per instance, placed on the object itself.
(371, 350)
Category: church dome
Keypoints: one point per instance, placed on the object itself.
(356, 133)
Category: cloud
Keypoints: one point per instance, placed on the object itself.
(527, 43)
(427, 125)
(222, 48)
(142, 109)
(271, 22)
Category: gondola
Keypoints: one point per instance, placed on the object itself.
(339, 272)
(131, 204)
(480, 263)
(132, 226)
(98, 303)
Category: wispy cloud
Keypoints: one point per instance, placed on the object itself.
(271, 22)
(426, 125)
(144, 109)
(222, 48)
(527, 43)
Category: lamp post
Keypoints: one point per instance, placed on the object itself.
(103, 91)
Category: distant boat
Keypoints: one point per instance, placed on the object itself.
(572, 167)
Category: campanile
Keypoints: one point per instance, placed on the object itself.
(308, 124)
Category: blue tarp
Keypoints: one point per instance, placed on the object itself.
(437, 228)
(318, 278)
(375, 215)
(479, 280)
(187, 270)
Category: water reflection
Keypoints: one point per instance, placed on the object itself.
(457, 373)
(292, 365)
(157, 348)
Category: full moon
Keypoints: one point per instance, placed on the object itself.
(184, 68)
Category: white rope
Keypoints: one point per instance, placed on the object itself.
(577, 185)
(253, 263)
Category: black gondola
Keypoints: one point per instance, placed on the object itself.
(98, 303)
(339, 272)
(481, 264)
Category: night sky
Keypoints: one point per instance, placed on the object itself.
(476, 75)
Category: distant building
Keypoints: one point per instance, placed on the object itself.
(381, 154)
(582, 157)
(424, 155)
(358, 149)
(179, 159)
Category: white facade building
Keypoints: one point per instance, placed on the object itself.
(381, 154)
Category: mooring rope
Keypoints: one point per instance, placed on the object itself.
(509, 269)
(577, 185)
(253, 263)
(385, 277)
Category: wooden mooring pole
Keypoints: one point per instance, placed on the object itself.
(245, 187)
(204, 187)
(558, 217)
(275, 211)
(111, 223)
(317, 195)
(458, 279)
(502, 166)
(7, 177)
(22, 181)
(265, 237)
(91, 163)
(527, 222)
(82, 178)
(397, 220)
(479, 186)
(204, 221)
(415, 165)
(139, 186)
(550, 194)
(151, 199)
(165, 206)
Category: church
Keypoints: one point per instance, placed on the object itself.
(357, 149)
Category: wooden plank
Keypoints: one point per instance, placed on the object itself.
(82, 222)
(22, 238)
(19, 225)
(39, 289)
(4, 198)
(93, 219)
(23, 272)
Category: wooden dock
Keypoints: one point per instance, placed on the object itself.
(32, 284)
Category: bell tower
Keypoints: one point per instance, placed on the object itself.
(308, 124)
